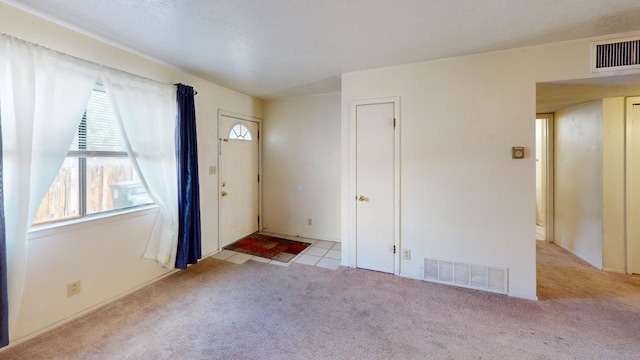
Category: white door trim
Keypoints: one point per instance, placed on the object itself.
(350, 241)
(233, 115)
(549, 224)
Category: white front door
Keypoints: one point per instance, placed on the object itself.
(375, 186)
(238, 179)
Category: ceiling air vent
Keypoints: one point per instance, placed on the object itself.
(616, 54)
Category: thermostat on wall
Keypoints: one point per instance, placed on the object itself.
(517, 152)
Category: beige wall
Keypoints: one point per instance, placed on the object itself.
(463, 197)
(301, 165)
(613, 201)
(105, 255)
(578, 181)
(632, 113)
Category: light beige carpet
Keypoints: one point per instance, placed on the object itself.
(219, 310)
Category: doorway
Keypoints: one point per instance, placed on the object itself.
(376, 184)
(544, 177)
(239, 177)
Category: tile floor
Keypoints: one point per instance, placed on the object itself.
(321, 253)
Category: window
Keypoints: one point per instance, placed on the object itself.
(97, 176)
(240, 132)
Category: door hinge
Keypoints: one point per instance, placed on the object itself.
(394, 249)
(258, 219)
(258, 135)
(394, 122)
(258, 177)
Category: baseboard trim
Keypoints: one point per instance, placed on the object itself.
(583, 258)
(615, 271)
(84, 312)
(276, 233)
(92, 308)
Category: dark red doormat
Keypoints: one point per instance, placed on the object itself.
(269, 247)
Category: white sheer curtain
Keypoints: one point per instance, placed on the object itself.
(146, 111)
(43, 95)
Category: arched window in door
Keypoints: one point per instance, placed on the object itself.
(240, 132)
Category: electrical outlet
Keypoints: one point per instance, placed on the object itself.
(212, 170)
(406, 254)
(73, 288)
(309, 222)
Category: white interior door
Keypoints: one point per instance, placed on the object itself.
(238, 179)
(375, 186)
(633, 185)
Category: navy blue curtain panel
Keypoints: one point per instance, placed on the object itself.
(189, 241)
(4, 299)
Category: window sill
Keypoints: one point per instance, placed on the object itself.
(46, 230)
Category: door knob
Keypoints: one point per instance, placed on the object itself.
(362, 198)
(224, 193)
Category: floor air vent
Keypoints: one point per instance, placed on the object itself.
(616, 54)
(482, 277)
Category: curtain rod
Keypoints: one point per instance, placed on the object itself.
(92, 63)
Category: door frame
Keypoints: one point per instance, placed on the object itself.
(548, 140)
(351, 240)
(237, 116)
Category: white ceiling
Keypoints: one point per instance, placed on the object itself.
(274, 48)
